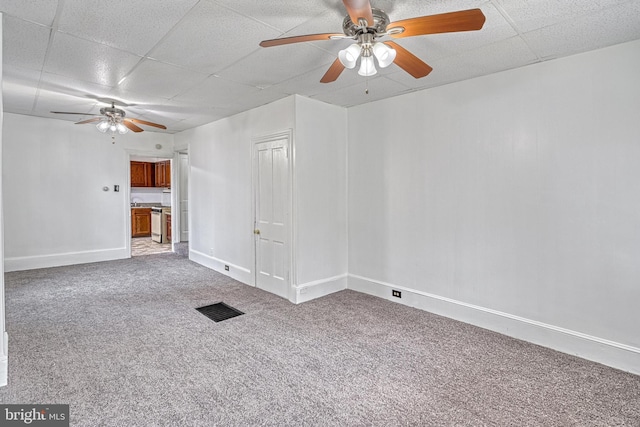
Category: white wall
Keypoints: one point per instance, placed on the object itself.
(220, 186)
(56, 212)
(4, 338)
(320, 178)
(509, 201)
(221, 192)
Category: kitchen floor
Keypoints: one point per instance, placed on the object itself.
(146, 246)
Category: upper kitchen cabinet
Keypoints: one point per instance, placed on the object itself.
(142, 174)
(163, 173)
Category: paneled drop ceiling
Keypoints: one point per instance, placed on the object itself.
(185, 63)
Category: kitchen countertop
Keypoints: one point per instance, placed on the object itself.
(148, 205)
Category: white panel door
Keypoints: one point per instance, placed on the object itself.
(271, 174)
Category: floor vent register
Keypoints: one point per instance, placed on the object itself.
(219, 311)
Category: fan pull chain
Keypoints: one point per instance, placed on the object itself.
(366, 90)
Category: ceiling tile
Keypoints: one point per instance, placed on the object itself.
(51, 101)
(215, 91)
(608, 27)
(88, 61)
(378, 88)
(406, 9)
(270, 66)
(436, 46)
(126, 99)
(488, 59)
(203, 118)
(256, 99)
(330, 21)
(528, 16)
(159, 79)
(281, 15)
(308, 84)
(38, 11)
(211, 37)
(69, 86)
(103, 22)
(24, 44)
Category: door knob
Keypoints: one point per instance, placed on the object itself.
(256, 231)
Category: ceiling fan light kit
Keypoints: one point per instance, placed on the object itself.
(364, 49)
(366, 25)
(384, 54)
(349, 56)
(367, 67)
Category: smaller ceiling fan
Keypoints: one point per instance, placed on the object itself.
(113, 119)
(366, 25)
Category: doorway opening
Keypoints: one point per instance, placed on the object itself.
(151, 204)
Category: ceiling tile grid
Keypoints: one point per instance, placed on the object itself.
(211, 37)
(24, 43)
(102, 21)
(610, 26)
(282, 15)
(157, 78)
(184, 63)
(84, 60)
(37, 11)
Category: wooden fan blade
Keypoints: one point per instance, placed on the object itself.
(333, 72)
(463, 20)
(359, 9)
(298, 39)
(93, 120)
(144, 122)
(131, 126)
(66, 112)
(409, 62)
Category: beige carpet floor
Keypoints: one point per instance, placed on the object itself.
(122, 344)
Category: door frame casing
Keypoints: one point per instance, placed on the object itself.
(286, 135)
(128, 153)
(177, 195)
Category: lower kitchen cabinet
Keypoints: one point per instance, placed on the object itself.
(140, 222)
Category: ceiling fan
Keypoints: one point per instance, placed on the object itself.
(113, 119)
(366, 24)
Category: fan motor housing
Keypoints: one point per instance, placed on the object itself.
(112, 112)
(380, 22)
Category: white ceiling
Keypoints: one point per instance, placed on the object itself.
(184, 63)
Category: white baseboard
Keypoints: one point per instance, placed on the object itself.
(4, 360)
(57, 260)
(319, 288)
(610, 353)
(236, 272)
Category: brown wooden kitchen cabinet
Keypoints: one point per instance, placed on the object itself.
(142, 174)
(163, 173)
(140, 222)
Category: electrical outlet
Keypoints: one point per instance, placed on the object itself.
(396, 294)
(226, 268)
